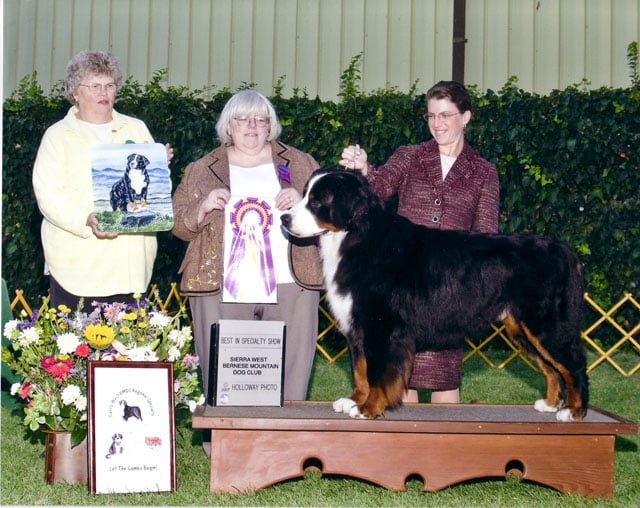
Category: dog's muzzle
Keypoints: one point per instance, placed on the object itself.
(287, 223)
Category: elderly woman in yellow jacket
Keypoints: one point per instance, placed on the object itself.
(81, 261)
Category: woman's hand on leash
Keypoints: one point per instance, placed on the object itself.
(354, 157)
(92, 222)
(216, 200)
(287, 198)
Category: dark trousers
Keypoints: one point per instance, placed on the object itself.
(60, 296)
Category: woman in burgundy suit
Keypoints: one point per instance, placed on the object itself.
(442, 183)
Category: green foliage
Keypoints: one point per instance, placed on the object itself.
(568, 165)
(568, 162)
(632, 61)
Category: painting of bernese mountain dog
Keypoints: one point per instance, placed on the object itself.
(397, 288)
(132, 188)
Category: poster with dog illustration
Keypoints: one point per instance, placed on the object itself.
(131, 187)
(131, 434)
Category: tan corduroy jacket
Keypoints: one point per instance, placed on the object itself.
(202, 266)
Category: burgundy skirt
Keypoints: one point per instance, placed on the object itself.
(437, 370)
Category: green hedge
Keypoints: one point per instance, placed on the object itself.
(568, 162)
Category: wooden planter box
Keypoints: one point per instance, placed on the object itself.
(255, 447)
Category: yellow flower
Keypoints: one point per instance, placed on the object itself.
(99, 336)
(142, 325)
(125, 329)
(64, 308)
(143, 312)
(130, 316)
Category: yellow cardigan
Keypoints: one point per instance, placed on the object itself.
(81, 263)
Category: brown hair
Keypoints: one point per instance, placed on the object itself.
(452, 90)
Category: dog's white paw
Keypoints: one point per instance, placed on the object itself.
(543, 407)
(564, 415)
(346, 406)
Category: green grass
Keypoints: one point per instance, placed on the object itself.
(23, 468)
(111, 221)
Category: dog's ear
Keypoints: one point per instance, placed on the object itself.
(130, 158)
(145, 160)
(356, 201)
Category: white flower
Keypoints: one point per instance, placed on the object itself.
(67, 343)
(193, 404)
(120, 347)
(81, 403)
(173, 354)
(70, 394)
(180, 337)
(142, 354)
(28, 336)
(159, 320)
(10, 328)
(15, 387)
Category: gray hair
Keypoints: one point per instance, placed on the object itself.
(90, 63)
(247, 103)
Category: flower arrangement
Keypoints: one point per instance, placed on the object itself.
(49, 353)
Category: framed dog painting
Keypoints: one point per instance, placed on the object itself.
(131, 431)
(131, 187)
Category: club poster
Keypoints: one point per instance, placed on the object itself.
(131, 429)
(131, 187)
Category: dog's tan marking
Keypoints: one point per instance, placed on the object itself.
(551, 370)
(361, 386)
(388, 393)
(375, 403)
(327, 225)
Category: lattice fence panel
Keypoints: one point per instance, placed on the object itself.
(619, 322)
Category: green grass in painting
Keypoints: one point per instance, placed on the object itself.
(23, 469)
(111, 221)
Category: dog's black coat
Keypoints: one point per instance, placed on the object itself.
(122, 193)
(130, 411)
(414, 288)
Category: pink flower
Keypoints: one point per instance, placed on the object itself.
(83, 350)
(56, 367)
(25, 390)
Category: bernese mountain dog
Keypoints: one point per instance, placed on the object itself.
(133, 186)
(397, 288)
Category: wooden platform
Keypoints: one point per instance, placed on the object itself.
(255, 447)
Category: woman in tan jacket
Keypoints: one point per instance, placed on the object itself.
(250, 162)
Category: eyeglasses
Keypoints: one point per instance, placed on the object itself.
(443, 117)
(97, 87)
(258, 120)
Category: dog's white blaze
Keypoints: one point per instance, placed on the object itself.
(341, 304)
(303, 223)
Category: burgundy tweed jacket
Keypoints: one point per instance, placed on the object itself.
(469, 197)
